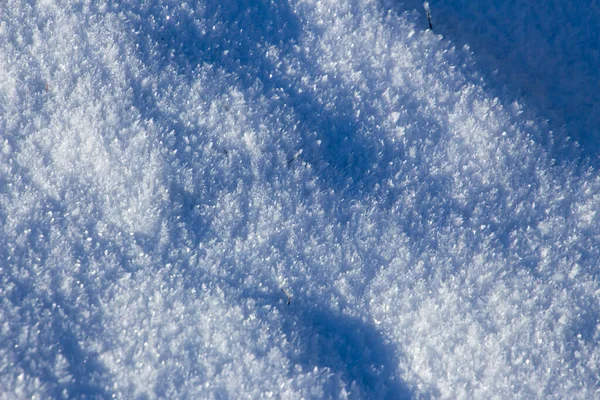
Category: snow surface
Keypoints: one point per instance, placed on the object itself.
(172, 174)
(547, 52)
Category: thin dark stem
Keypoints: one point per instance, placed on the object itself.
(428, 12)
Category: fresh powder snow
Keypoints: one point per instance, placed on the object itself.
(299, 199)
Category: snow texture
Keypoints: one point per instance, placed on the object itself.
(547, 53)
(299, 199)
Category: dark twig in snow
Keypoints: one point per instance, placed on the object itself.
(289, 298)
(428, 12)
(291, 160)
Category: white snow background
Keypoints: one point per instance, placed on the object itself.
(172, 171)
